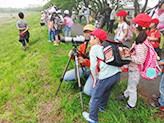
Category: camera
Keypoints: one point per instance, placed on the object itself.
(77, 39)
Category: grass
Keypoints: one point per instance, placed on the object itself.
(29, 81)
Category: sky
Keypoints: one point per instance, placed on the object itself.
(21, 3)
(32, 3)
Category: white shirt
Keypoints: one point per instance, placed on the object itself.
(120, 30)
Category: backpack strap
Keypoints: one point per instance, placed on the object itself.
(97, 69)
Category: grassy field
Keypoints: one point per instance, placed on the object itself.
(29, 80)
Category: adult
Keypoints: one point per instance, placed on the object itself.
(159, 14)
(86, 14)
(83, 51)
(112, 19)
(106, 20)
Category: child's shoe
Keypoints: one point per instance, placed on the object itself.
(49, 40)
(86, 117)
(121, 98)
(155, 104)
(126, 107)
(161, 108)
(155, 97)
(28, 48)
(56, 44)
(24, 49)
(102, 110)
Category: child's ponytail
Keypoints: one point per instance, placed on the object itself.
(142, 35)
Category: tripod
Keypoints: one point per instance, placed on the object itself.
(77, 74)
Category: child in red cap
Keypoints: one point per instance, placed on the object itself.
(154, 35)
(122, 29)
(138, 55)
(106, 78)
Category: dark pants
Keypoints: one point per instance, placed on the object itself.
(159, 52)
(105, 21)
(80, 17)
(100, 95)
(111, 26)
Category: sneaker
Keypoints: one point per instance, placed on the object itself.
(121, 98)
(155, 97)
(86, 117)
(161, 108)
(28, 48)
(126, 107)
(56, 44)
(102, 110)
(24, 49)
(155, 104)
(49, 40)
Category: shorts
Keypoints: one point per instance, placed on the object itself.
(58, 32)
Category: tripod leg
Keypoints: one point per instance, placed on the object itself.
(61, 79)
(78, 76)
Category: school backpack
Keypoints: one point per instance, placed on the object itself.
(115, 53)
(150, 68)
(69, 22)
(129, 36)
(58, 23)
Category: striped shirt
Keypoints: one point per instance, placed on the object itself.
(138, 56)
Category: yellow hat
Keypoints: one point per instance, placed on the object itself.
(89, 27)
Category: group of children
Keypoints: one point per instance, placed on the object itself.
(145, 29)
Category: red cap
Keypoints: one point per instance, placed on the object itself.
(142, 19)
(122, 13)
(99, 33)
(155, 20)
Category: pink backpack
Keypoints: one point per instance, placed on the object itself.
(69, 22)
(150, 68)
(129, 36)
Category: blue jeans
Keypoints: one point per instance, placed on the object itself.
(100, 95)
(23, 42)
(161, 89)
(70, 75)
(67, 33)
(51, 32)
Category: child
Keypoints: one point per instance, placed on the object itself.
(50, 21)
(159, 99)
(122, 29)
(106, 79)
(56, 25)
(154, 35)
(68, 23)
(22, 26)
(138, 55)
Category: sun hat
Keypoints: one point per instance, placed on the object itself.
(100, 34)
(89, 27)
(142, 20)
(66, 12)
(122, 13)
(155, 20)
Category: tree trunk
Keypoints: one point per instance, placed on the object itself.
(144, 8)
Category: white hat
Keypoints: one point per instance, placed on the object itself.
(66, 12)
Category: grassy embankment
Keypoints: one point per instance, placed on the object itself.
(29, 80)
